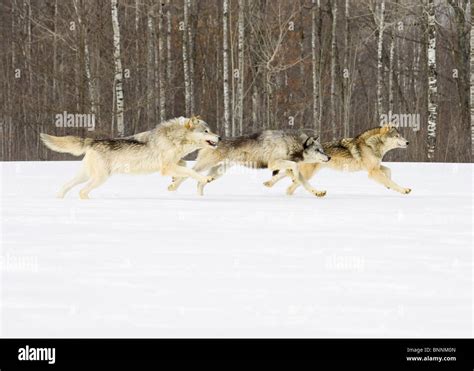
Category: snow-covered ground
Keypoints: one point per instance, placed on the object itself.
(242, 261)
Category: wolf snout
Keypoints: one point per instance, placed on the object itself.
(407, 142)
(329, 158)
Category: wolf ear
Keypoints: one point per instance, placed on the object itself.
(308, 142)
(189, 124)
(385, 128)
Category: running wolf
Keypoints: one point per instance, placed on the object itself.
(364, 152)
(162, 151)
(272, 149)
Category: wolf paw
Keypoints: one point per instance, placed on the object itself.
(268, 183)
(83, 196)
(208, 179)
(172, 187)
(406, 191)
(319, 193)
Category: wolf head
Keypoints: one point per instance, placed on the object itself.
(392, 138)
(313, 151)
(200, 133)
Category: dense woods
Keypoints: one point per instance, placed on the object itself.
(112, 68)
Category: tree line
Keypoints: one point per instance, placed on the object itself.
(336, 66)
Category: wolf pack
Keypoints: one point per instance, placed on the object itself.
(297, 154)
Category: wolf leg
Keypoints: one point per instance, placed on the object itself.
(277, 177)
(307, 171)
(94, 183)
(379, 176)
(298, 178)
(386, 171)
(185, 172)
(81, 177)
(199, 166)
(215, 172)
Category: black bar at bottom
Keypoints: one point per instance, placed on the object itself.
(402, 353)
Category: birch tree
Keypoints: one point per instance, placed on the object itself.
(190, 46)
(432, 79)
(333, 69)
(240, 82)
(187, 77)
(381, 26)
(162, 71)
(118, 76)
(225, 62)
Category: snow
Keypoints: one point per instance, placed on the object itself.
(243, 261)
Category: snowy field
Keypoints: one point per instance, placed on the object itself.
(242, 261)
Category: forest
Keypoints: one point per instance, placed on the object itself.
(112, 68)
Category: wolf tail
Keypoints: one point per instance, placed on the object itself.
(68, 144)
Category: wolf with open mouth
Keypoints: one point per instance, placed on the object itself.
(158, 150)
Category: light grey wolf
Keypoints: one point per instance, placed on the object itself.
(162, 151)
(364, 152)
(272, 149)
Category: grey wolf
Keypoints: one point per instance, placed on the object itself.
(362, 153)
(272, 149)
(162, 151)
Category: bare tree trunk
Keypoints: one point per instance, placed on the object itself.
(150, 83)
(346, 75)
(87, 59)
(169, 62)
(187, 78)
(137, 66)
(472, 82)
(333, 69)
(432, 80)
(390, 72)
(55, 51)
(381, 27)
(190, 47)
(225, 42)
(240, 82)
(314, 62)
(162, 71)
(118, 77)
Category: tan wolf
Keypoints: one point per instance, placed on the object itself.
(162, 151)
(272, 149)
(364, 152)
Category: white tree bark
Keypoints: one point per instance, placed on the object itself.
(118, 77)
(187, 83)
(432, 80)
(381, 27)
(240, 82)
(333, 69)
(190, 46)
(225, 42)
(314, 62)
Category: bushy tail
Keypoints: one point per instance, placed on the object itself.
(68, 144)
